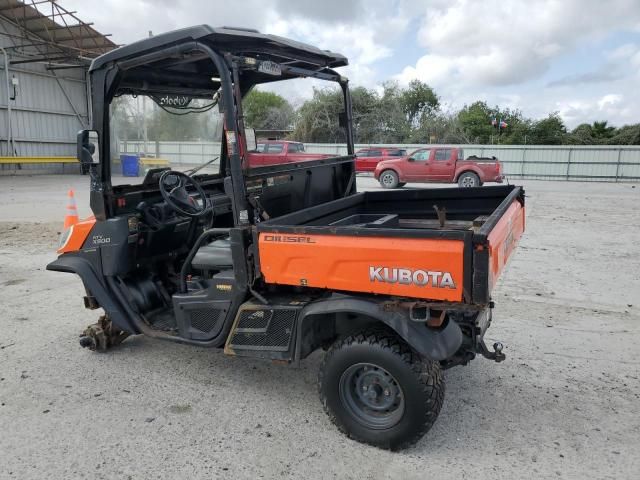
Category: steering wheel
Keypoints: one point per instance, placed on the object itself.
(173, 187)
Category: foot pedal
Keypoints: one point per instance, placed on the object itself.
(263, 331)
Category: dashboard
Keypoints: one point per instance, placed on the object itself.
(157, 228)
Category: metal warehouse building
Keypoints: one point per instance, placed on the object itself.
(45, 51)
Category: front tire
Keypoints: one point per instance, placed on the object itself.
(377, 390)
(389, 179)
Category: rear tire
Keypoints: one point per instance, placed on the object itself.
(389, 179)
(377, 390)
(469, 180)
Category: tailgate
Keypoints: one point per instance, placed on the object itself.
(495, 244)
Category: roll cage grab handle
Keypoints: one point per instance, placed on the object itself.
(226, 66)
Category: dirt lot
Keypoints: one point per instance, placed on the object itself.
(565, 403)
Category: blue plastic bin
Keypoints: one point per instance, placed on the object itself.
(130, 167)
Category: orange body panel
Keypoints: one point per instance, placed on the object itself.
(77, 236)
(409, 267)
(503, 240)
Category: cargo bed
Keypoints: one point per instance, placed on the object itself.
(445, 244)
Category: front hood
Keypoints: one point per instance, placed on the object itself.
(389, 163)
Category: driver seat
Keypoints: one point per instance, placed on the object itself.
(214, 256)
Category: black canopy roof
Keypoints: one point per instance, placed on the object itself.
(237, 41)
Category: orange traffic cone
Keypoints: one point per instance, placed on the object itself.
(71, 218)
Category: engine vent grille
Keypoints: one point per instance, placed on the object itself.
(272, 330)
(205, 320)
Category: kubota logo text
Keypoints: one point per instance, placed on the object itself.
(407, 276)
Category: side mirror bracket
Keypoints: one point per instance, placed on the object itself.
(88, 147)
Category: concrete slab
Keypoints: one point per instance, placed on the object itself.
(565, 403)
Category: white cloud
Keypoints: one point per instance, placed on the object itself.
(613, 107)
(360, 30)
(469, 50)
(609, 100)
(501, 43)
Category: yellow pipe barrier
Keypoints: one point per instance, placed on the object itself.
(36, 160)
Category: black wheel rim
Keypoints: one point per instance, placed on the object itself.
(372, 396)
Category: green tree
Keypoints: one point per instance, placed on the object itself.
(601, 131)
(549, 131)
(475, 122)
(376, 119)
(267, 110)
(581, 135)
(165, 126)
(626, 135)
(418, 100)
(126, 118)
(366, 121)
(395, 127)
(318, 117)
(394, 116)
(518, 132)
(380, 118)
(440, 127)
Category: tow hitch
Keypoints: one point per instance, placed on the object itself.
(495, 355)
(102, 335)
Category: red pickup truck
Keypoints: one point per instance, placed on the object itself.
(368, 158)
(438, 164)
(276, 152)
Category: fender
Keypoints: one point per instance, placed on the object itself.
(433, 344)
(469, 168)
(82, 267)
(398, 172)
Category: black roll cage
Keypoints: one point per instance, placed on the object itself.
(107, 81)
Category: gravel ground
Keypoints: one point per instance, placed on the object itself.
(565, 403)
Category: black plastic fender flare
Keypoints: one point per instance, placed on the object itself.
(434, 344)
(82, 267)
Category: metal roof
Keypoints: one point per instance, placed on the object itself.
(51, 33)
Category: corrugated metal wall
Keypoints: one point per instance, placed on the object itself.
(583, 163)
(49, 108)
(179, 153)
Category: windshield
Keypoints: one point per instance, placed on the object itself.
(295, 120)
(147, 134)
(181, 134)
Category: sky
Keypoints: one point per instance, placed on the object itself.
(580, 58)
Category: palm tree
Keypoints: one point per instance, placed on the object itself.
(600, 130)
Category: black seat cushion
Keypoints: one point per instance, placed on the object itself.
(214, 256)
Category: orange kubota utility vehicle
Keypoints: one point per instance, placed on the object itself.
(278, 261)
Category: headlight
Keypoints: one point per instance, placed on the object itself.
(64, 236)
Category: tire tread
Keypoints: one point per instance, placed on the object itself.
(428, 373)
